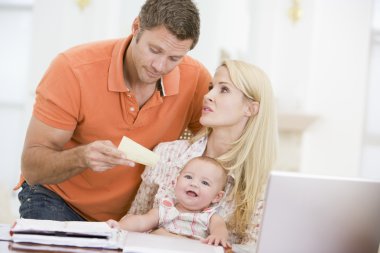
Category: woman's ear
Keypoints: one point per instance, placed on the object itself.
(252, 108)
(136, 26)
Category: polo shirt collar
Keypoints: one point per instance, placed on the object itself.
(169, 83)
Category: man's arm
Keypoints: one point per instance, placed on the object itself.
(44, 161)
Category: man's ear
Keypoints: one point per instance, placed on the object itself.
(218, 197)
(252, 109)
(136, 26)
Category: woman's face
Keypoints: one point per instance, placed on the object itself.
(224, 105)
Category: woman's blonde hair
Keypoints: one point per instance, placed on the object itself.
(252, 156)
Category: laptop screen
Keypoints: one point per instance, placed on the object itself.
(308, 213)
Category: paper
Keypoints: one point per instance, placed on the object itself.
(138, 153)
(33, 247)
(68, 233)
(87, 235)
(148, 243)
(73, 227)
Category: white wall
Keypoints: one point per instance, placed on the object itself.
(59, 25)
(318, 66)
(15, 27)
(337, 86)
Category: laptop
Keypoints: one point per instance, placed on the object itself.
(320, 214)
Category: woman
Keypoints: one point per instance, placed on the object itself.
(241, 133)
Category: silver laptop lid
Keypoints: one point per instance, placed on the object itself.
(315, 214)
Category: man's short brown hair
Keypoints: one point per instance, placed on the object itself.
(180, 17)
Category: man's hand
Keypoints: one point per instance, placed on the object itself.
(103, 155)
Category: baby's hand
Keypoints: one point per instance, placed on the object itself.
(217, 240)
(113, 224)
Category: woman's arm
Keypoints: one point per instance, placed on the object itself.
(144, 198)
(155, 180)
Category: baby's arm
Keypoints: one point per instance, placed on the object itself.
(137, 223)
(218, 232)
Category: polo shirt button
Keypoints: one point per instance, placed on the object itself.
(129, 95)
(132, 109)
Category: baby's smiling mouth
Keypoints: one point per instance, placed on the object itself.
(191, 194)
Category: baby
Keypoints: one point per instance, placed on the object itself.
(198, 187)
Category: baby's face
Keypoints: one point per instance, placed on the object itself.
(199, 184)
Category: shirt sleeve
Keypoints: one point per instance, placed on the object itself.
(58, 96)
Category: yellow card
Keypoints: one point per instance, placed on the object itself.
(138, 153)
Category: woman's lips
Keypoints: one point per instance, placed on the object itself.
(207, 109)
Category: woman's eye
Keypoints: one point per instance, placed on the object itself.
(224, 90)
(187, 177)
(210, 87)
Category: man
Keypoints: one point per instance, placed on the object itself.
(142, 86)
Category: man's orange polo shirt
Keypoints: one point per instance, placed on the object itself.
(84, 90)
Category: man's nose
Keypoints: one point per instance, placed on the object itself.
(159, 64)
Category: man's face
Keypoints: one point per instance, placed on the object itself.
(156, 52)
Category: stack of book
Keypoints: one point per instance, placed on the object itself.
(68, 233)
(34, 234)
